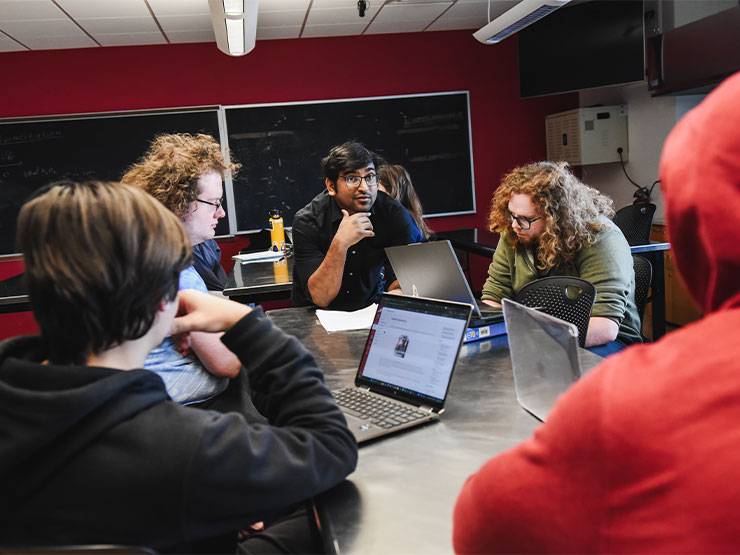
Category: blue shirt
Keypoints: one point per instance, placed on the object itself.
(185, 378)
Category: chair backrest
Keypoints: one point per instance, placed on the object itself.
(643, 277)
(636, 222)
(568, 298)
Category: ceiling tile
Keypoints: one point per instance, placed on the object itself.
(22, 29)
(85, 9)
(54, 42)
(396, 27)
(28, 9)
(126, 39)
(333, 30)
(204, 35)
(287, 18)
(411, 12)
(9, 45)
(185, 22)
(281, 5)
(333, 16)
(323, 4)
(179, 7)
(118, 25)
(470, 15)
(265, 33)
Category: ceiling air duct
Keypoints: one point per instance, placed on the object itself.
(517, 18)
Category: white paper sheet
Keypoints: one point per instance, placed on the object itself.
(260, 256)
(340, 320)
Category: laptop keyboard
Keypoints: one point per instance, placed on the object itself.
(381, 412)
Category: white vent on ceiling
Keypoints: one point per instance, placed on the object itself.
(517, 18)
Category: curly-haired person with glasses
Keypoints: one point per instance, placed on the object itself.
(552, 224)
(340, 236)
(184, 172)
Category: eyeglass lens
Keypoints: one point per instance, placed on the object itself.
(352, 181)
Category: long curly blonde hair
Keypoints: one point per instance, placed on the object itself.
(171, 167)
(573, 212)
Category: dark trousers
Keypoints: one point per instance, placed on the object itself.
(294, 533)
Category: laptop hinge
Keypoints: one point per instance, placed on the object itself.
(364, 388)
(426, 408)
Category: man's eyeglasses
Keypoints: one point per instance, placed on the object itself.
(217, 204)
(353, 181)
(524, 223)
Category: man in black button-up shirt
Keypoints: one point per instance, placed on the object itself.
(340, 236)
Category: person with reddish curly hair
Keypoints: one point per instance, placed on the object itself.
(641, 455)
(552, 224)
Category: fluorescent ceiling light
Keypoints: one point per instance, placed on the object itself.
(234, 7)
(517, 18)
(235, 25)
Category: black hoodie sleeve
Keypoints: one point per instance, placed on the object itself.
(243, 473)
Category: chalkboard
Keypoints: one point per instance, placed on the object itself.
(280, 147)
(102, 146)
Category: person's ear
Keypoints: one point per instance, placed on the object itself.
(331, 187)
(162, 305)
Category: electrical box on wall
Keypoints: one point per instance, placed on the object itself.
(588, 135)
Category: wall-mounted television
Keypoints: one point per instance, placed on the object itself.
(582, 46)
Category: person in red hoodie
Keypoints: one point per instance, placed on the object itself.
(643, 454)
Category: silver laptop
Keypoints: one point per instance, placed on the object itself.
(545, 357)
(432, 270)
(406, 366)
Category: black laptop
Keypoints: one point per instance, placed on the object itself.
(406, 366)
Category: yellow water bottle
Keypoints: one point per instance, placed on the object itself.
(280, 269)
(277, 233)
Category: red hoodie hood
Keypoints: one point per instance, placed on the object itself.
(700, 180)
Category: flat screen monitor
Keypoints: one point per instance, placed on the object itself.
(583, 46)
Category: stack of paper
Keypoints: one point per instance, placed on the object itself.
(340, 320)
(259, 256)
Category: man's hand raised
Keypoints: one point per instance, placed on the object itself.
(354, 228)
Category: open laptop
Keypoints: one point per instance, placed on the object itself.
(545, 357)
(432, 270)
(406, 366)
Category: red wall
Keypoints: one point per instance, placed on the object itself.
(507, 131)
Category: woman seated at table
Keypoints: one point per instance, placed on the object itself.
(396, 182)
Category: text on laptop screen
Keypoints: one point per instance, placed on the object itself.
(413, 352)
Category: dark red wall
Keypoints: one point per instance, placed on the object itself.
(507, 131)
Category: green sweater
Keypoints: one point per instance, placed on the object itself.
(607, 264)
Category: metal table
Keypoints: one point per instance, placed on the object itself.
(400, 498)
(260, 281)
(14, 295)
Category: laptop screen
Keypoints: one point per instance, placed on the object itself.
(412, 348)
(544, 356)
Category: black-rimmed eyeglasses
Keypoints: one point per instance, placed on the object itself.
(217, 204)
(524, 222)
(353, 181)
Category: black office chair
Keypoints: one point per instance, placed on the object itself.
(636, 222)
(568, 298)
(643, 277)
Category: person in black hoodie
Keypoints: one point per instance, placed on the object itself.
(92, 449)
